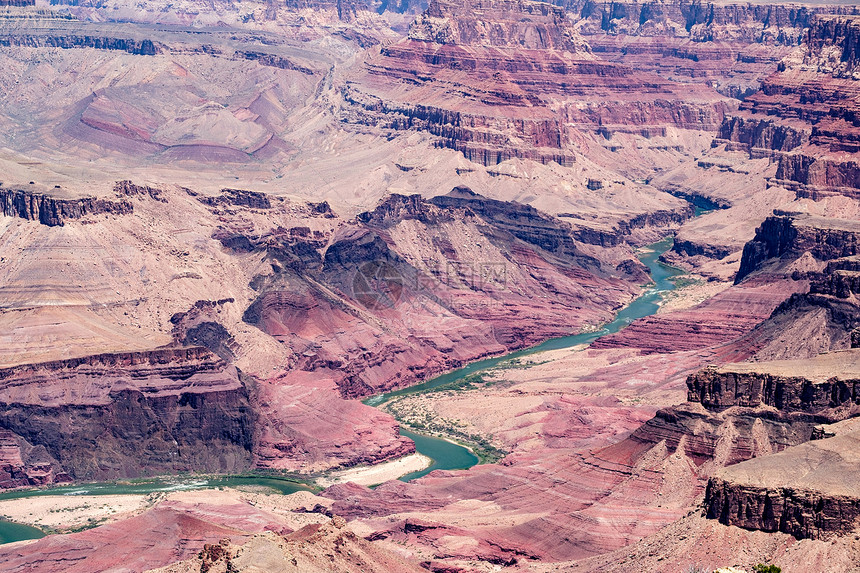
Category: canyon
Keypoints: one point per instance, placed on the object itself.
(226, 229)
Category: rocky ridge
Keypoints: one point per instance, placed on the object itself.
(52, 211)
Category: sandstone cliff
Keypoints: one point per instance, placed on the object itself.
(53, 211)
(809, 491)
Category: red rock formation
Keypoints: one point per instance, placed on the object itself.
(380, 277)
(315, 548)
(128, 414)
(199, 326)
(168, 533)
(719, 390)
(805, 114)
(730, 46)
(508, 60)
(22, 465)
(719, 320)
(809, 491)
(759, 136)
(788, 237)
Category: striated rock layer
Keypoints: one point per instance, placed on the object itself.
(126, 415)
(525, 84)
(809, 491)
(732, 46)
(805, 115)
(51, 210)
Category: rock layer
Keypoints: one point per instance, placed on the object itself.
(51, 210)
(508, 60)
(131, 414)
(808, 491)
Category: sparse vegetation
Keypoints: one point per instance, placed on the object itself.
(686, 281)
(411, 412)
(766, 568)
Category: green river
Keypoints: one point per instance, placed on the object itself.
(446, 455)
(449, 455)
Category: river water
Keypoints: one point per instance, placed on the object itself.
(446, 455)
(10, 531)
(451, 456)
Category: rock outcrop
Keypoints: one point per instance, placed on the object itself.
(741, 411)
(759, 136)
(786, 238)
(378, 274)
(733, 47)
(199, 326)
(805, 114)
(131, 414)
(315, 548)
(142, 47)
(751, 386)
(809, 491)
(53, 211)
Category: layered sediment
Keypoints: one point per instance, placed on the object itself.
(508, 60)
(786, 238)
(382, 274)
(732, 47)
(129, 414)
(805, 114)
(809, 491)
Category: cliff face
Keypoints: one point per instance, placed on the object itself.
(733, 47)
(52, 211)
(132, 46)
(809, 491)
(498, 23)
(621, 232)
(527, 81)
(805, 115)
(701, 21)
(789, 236)
(718, 390)
(833, 46)
(131, 414)
(759, 136)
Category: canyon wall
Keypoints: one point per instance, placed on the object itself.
(131, 414)
(528, 82)
(718, 390)
(52, 211)
(809, 491)
(789, 236)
